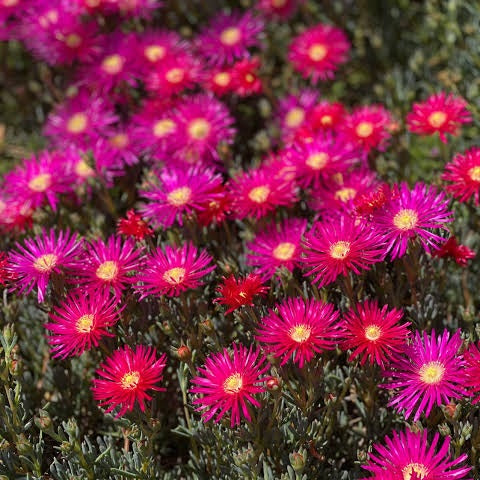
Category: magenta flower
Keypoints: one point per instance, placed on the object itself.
(134, 8)
(413, 214)
(472, 371)
(276, 247)
(282, 9)
(299, 330)
(126, 377)
(228, 384)
(173, 270)
(431, 372)
(409, 456)
(42, 256)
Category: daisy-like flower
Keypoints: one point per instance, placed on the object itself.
(228, 37)
(429, 373)
(245, 80)
(372, 200)
(215, 211)
(42, 256)
(464, 174)
(126, 377)
(134, 8)
(413, 214)
(298, 329)
(79, 322)
(374, 334)
(277, 247)
(237, 292)
(318, 51)
(339, 245)
(257, 192)
(472, 371)
(440, 113)
(108, 266)
(218, 80)
(107, 161)
(282, 9)
(367, 128)
(409, 456)
(133, 225)
(460, 253)
(6, 276)
(229, 382)
(173, 270)
(326, 116)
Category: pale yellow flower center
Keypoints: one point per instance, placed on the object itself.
(77, 123)
(373, 332)
(418, 468)
(119, 141)
(154, 53)
(45, 263)
(437, 119)
(230, 36)
(40, 183)
(107, 270)
(113, 64)
(259, 194)
(163, 127)
(82, 169)
(175, 75)
(85, 323)
(364, 129)
(93, 3)
(130, 380)
(199, 128)
(474, 173)
(180, 196)
(284, 251)
(233, 384)
(345, 194)
(317, 160)
(295, 117)
(340, 250)
(432, 372)
(326, 120)
(406, 219)
(73, 40)
(317, 52)
(300, 333)
(222, 79)
(175, 275)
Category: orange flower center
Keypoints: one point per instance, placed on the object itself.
(326, 120)
(199, 128)
(119, 141)
(45, 263)
(175, 275)
(364, 129)
(222, 79)
(406, 219)
(154, 53)
(77, 123)
(437, 119)
(345, 194)
(300, 333)
(259, 194)
(163, 127)
(130, 380)
(317, 52)
(113, 64)
(82, 169)
(233, 384)
(340, 250)
(230, 36)
(317, 160)
(284, 251)
(180, 196)
(73, 40)
(40, 183)
(373, 332)
(418, 468)
(85, 323)
(474, 173)
(107, 270)
(175, 75)
(295, 117)
(432, 372)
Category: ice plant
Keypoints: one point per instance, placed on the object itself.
(133, 225)
(282, 9)
(245, 79)
(40, 257)
(173, 270)
(126, 377)
(326, 116)
(413, 214)
(440, 113)
(410, 456)
(298, 329)
(472, 371)
(228, 382)
(293, 111)
(460, 253)
(374, 333)
(237, 292)
(430, 372)
(79, 322)
(318, 51)
(463, 175)
(339, 246)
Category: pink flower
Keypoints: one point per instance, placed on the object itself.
(126, 377)
(299, 330)
(245, 79)
(282, 9)
(228, 384)
(326, 116)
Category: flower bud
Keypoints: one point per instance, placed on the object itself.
(43, 422)
(297, 460)
(184, 353)
(273, 384)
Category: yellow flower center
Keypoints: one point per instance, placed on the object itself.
(199, 128)
(326, 120)
(233, 384)
(278, 3)
(295, 117)
(10, 3)
(284, 251)
(437, 119)
(130, 380)
(300, 333)
(406, 219)
(222, 79)
(373, 332)
(77, 123)
(175, 75)
(340, 250)
(432, 372)
(364, 129)
(93, 3)
(249, 78)
(113, 64)
(180, 196)
(259, 194)
(73, 40)
(85, 323)
(154, 53)
(40, 183)
(317, 160)
(107, 270)
(163, 127)
(418, 468)
(474, 173)
(119, 141)
(82, 169)
(45, 263)
(230, 36)
(317, 52)
(345, 194)
(175, 275)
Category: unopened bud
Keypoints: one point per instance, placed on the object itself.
(297, 460)
(273, 384)
(444, 430)
(184, 353)
(451, 411)
(206, 325)
(43, 421)
(167, 328)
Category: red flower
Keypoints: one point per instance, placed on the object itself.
(134, 226)
(460, 253)
(245, 79)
